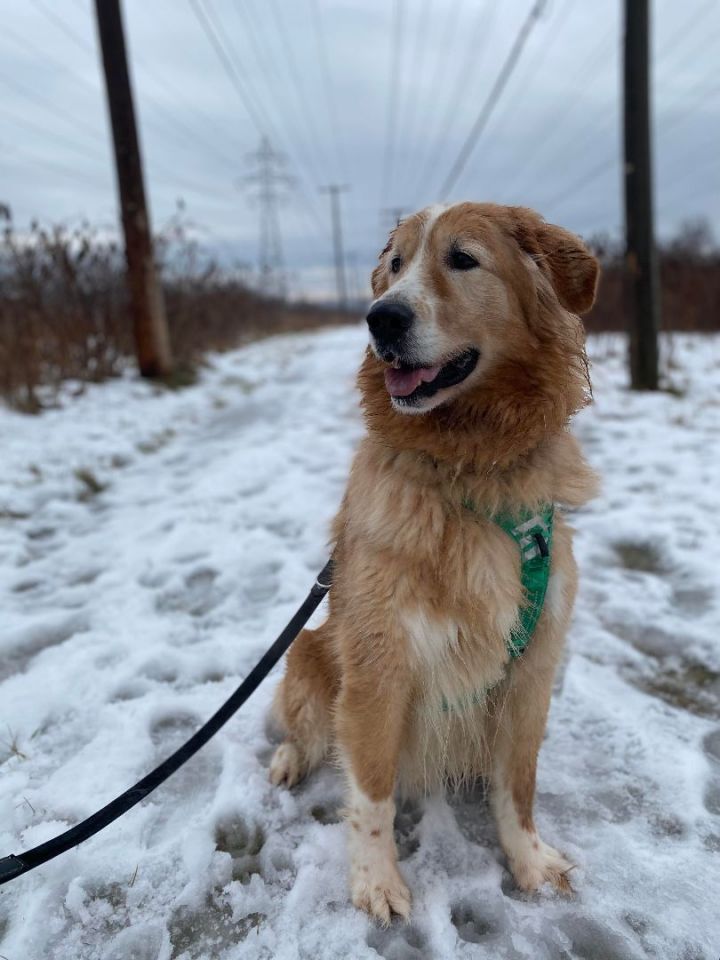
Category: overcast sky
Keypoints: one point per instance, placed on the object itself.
(347, 98)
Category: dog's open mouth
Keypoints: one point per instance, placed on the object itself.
(407, 383)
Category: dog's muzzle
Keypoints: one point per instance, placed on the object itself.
(390, 322)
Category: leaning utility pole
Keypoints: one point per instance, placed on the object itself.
(334, 190)
(641, 267)
(152, 342)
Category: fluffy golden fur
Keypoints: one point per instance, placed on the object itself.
(426, 592)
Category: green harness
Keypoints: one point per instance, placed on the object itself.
(532, 531)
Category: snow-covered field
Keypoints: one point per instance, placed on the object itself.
(153, 544)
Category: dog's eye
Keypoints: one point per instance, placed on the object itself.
(459, 260)
(395, 264)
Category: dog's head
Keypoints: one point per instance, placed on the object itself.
(467, 291)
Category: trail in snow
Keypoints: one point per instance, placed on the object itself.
(154, 544)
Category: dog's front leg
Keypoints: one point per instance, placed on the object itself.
(370, 720)
(521, 725)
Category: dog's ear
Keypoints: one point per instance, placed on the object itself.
(572, 270)
(378, 278)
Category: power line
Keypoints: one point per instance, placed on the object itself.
(68, 142)
(228, 66)
(452, 19)
(328, 85)
(492, 98)
(596, 171)
(268, 67)
(30, 94)
(167, 121)
(51, 15)
(296, 80)
(71, 173)
(263, 56)
(160, 117)
(687, 28)
(588, 177)
(92, 135)
(478, 38)
(521, 78)
(269, 128)
(414, 65)
(392, 102)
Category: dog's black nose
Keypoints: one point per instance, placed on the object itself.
(389, 320)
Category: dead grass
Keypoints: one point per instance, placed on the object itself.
(689, 283)
(64, 313)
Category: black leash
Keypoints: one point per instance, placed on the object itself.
(15, 865)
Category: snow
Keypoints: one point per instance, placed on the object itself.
(153, 545)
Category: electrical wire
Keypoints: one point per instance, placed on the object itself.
(396, 50)
(491, 101)
(445, 44)
(412, 84)
(236, 81)
(477, 39)
(329, 87)
(306, 198)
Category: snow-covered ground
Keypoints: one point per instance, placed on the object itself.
(153, 544)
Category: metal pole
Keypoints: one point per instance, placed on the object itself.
(641, 266)
(152, 342)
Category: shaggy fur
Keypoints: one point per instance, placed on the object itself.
(426, 593)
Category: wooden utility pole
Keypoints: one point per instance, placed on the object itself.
(335, 189)
(152, 342)
(641, 267)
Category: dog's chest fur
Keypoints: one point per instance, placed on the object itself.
(455, 597)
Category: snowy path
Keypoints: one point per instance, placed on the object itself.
(152, 546)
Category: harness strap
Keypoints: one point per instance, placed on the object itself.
(533, 532)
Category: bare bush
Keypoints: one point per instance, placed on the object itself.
(689, 283)
(64, 311)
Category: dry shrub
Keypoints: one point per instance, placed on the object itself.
(64, 312)
(689, 283)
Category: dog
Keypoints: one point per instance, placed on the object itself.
(475, 366)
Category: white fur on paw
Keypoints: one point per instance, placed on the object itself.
(381, 892)
(541, 864)
(286, 765)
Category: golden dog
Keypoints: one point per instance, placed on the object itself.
(476, 365)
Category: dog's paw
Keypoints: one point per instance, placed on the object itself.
(381, 892)
(286, 766)
(539, 864)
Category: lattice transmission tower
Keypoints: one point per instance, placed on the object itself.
(268, 177)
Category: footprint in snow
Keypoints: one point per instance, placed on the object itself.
(188, 792)
(399, 941)
(243, 841)
(473, 923)
(198, 596)
(593, 941)
(32, 641)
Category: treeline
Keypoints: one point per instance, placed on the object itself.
(689, 283)
(64, 314)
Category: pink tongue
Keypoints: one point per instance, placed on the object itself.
(401, 383)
